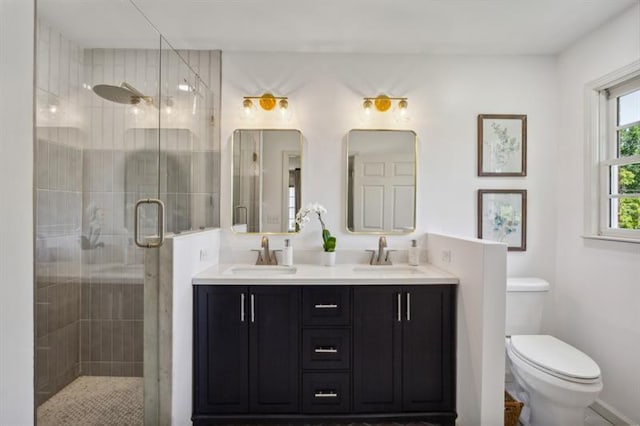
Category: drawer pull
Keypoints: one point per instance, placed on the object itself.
(326, 394)
(326, 350)
(326, 306)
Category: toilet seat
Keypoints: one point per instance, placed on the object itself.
(555, 357)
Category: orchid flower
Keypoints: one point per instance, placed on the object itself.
(302, 218)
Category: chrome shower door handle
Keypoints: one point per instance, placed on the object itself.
(136, 224)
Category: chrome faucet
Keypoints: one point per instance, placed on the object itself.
(382, 256)
(266, 256)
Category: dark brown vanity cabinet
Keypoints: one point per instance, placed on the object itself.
(246, 349)
(304, 354)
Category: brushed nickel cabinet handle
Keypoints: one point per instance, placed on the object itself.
(408, 306)
(242, 307)
(399, 296)
(326, 394)
(253, 308)
(326, 306)
(326, 350)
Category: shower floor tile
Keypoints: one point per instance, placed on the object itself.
(93, 401)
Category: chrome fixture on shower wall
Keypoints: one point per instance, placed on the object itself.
(123, 94)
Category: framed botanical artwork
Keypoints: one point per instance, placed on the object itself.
(502, 145)
(502, 217)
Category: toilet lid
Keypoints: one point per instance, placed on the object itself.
(556, 357)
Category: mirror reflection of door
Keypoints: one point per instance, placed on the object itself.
(381, 181)
(267, 180)
(292, 175)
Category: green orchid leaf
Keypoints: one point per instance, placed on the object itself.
(330, 244)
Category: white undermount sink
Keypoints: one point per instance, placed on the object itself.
(386, 270)
(261, 270)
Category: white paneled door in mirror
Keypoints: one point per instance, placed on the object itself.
(381, 181)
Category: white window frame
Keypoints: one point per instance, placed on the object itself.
(601, 132)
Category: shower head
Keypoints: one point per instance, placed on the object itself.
(123, 94)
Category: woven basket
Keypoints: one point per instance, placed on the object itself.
(512, 410)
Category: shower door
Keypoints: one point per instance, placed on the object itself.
(97, 153)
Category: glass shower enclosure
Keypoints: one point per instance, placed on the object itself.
(121, 118)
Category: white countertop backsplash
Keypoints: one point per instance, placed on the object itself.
(314, 256)
(314, 274)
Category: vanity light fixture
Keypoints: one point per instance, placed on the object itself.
(383, 102)
(267, 102)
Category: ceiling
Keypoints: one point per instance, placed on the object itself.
(512, 27)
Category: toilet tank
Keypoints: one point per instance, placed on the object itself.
(525, 299)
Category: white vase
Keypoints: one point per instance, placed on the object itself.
(329, 258)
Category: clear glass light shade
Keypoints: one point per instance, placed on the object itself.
(401, 112)
(285, 110)
(248, 109)
(367, 106)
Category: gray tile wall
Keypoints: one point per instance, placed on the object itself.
(111, 327)
(58, 192)
(58, 266)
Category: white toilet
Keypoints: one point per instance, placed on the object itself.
(560, 381)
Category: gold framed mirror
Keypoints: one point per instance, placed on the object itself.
(381, 181)
(266, 183)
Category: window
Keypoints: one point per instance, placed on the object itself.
(291, 209)
(615, 160)
(621, 165)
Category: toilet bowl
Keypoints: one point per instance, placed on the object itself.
(559, 380)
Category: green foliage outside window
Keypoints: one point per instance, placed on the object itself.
(629, 180)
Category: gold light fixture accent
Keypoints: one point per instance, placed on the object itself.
(383, 102)
(266, 101)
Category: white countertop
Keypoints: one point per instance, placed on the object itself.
(307, 274)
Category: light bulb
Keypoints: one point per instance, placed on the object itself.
(367, 106)
(169, 105)
(247, 106)
(401, 112)
(283, 104)
(285, 112)
(402, 106)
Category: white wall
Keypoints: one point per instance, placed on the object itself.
(181, 257)
(481, 268)
(595, 298)
(16, 212)
(446, 93)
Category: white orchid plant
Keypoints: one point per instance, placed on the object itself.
(302, 218)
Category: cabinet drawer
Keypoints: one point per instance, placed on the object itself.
(326, 349)
(329, 305)
(325, 393)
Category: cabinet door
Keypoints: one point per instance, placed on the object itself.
(377, 348)
(428, 346)
(274, 356)
(221, 350)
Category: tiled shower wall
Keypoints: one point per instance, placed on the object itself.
(94, 160)
(121, 166)
(59, 142)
